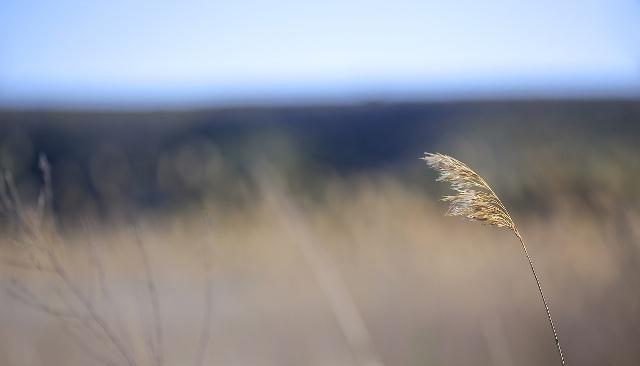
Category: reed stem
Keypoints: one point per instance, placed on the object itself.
(544, 300)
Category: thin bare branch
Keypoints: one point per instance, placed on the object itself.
(333, 287)
(14, 197)
(4, 194)
(24, 265)
(105, 289)
(20, 293)
(205, 332)
(86, 348)
(45, 199)
(157, 343)
(90, 309)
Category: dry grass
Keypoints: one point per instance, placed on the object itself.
(428, 290)
(92, 321)
(475, 200)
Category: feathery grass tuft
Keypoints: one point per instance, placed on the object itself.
(476, 201)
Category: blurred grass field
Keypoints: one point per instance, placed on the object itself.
(432, 290)
(238, 216)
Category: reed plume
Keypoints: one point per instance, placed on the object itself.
(475, 200)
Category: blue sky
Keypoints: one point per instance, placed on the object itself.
(157, 52)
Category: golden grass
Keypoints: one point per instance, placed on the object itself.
(476, 200)
(429, 291)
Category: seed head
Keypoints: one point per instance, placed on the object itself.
(473, 199)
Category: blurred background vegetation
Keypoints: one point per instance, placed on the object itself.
(237, 183)
(248, 218)
(108, 163)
